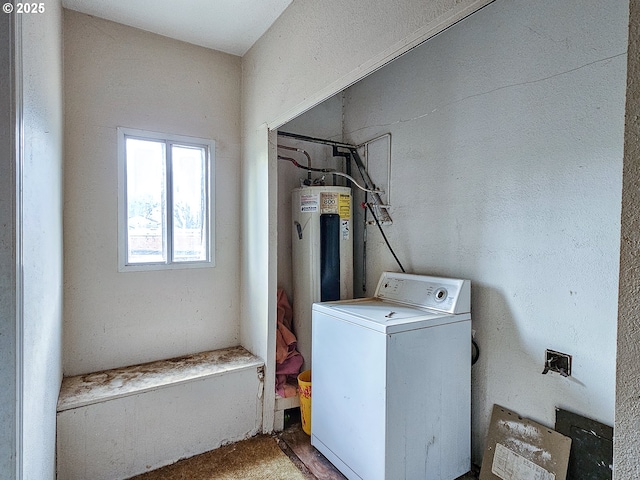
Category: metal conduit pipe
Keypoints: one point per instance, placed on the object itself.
(292, 160)
(332, 171)
(300, 150)
(306, 138)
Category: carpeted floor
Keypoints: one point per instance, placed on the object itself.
(258, 458)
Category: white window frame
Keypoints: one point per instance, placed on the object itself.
(209, 145)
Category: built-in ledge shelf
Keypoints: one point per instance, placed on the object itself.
(83, 390)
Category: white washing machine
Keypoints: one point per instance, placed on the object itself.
(392, 380)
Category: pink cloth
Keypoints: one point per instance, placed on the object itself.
(288, 359)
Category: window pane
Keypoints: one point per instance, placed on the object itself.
(189, 203)
(146, 201)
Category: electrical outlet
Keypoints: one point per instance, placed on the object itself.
(557, 362)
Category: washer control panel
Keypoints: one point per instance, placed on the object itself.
(437, 293)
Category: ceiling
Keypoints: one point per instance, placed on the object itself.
(231, 26)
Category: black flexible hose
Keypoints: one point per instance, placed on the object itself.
(475, 352)
(385, 237)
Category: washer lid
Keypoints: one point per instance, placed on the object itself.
(386, 317)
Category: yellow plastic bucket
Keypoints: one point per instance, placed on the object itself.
(304, 392)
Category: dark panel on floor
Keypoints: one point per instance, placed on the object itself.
(591, 448)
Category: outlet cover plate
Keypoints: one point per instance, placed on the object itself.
(558, 362)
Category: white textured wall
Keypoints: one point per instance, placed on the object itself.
(627, 428)
(42, 237)
(503, 172)
(8, 272)
(314, 50)
(506, 169)
(31, 244)
(119, 76)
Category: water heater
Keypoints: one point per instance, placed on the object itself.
(322, 253)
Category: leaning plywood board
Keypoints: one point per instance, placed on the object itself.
(520, 449)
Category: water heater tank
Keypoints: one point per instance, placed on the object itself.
(322, 253)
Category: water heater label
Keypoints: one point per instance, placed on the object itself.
(345, 230)
(344, 205)
(329, 202)
(309, 203)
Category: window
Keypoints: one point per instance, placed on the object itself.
(164, 206)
